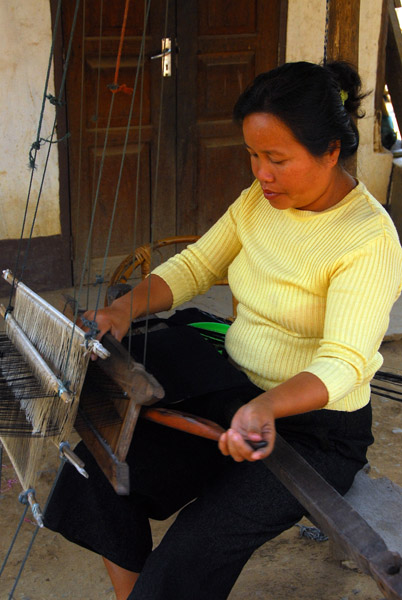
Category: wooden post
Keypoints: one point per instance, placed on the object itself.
(343, 31)
(393, 64)
(380, 82)
(343, 42)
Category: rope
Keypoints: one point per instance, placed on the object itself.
(328, 2)
(39, 143)
(13, 540)
(124, 152)
(35, 532)
(115, 87)
(137, 188)
(155, 193)
(96, 198)
(95, 119)
(80, 135)
(27, 553)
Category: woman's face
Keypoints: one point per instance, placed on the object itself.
(289, 175)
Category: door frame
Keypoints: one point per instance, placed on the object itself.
(62, 148)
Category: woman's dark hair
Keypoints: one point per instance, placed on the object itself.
(307, 98)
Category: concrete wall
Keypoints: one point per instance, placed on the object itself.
(25, 39)
(305, 41)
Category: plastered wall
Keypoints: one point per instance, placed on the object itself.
(305, 41)
(25, 39)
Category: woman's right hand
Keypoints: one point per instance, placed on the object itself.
(114, 319)
(150, 296)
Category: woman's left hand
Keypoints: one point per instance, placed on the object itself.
(254, 422)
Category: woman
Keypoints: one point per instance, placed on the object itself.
(315, 263)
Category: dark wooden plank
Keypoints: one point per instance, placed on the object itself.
(332, 513)
(108, 436)
(343, 43)
(130, 375)
(42, 257)
(393, 63)
(116, 471)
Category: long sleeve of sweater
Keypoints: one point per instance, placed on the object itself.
(315, 289)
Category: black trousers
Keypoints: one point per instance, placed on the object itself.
(230, 509)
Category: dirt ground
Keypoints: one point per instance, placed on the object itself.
(287, 567)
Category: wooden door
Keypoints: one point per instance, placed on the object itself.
(230, 42)
(218, 47)
(91, 121)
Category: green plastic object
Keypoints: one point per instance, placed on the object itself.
(213, 333)
(211, 326)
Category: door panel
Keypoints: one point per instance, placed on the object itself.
(230, 44)
(92, 67)
(192, 160)
(124, 219)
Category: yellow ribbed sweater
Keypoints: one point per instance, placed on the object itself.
(315, 289)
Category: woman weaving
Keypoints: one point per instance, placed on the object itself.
(315, 263)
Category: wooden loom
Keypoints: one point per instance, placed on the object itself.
(55, 356)
(130, 387)
(44, 369)
(53, 386)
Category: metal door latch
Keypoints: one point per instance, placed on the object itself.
(166, 56)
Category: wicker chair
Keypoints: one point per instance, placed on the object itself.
(119, 285)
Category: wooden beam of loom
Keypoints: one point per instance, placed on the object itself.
(114, 390)
(112, 396)
(111, 391)
(93, 345)
(35, 360)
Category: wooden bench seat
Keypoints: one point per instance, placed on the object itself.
(379, 502)
(365, 526)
